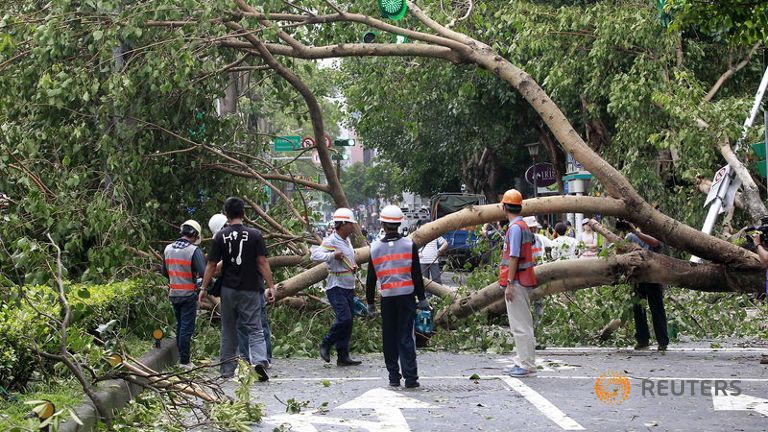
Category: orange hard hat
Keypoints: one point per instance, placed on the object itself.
(512, 196)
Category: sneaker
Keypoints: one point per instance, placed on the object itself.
(394, 383)
(186, 367)
(262, 371)
(662, 348)
(520, 372)
(325, 352)
(641, 346)
(413, 384)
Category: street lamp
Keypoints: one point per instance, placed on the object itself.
(533, 150)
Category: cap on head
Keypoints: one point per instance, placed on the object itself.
(512, 197)
(343, 214)
(391, 214)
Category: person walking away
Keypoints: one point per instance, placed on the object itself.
(183, 264)
(215, 224)
(517, 279)
(564, 247)
(429, 258)
(652, 292)
(337, 252)
(589, 240)
(245, 270)
(394, 262)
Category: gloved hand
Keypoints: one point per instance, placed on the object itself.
(371, 310)
(423, 304)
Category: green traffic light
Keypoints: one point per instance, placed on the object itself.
(393, 9)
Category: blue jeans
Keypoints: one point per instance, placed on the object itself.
(398, 314)
(242, 335)
(241, 309)
(185, 309)
(343, 303)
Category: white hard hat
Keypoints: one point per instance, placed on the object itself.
(343, 214)
(194, 225)
(391, 214)
(216, 223)
(531, 222)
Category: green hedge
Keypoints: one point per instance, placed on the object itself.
(137, 306)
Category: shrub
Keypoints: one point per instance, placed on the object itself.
(135, 306)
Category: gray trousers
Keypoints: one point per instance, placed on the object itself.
(432, 272)
(241, 309)
(521, 324)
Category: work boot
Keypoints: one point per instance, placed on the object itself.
(393, 383)
(348, 361)
(641, 346)
(412, 384)
(325, 352)
(261, 371)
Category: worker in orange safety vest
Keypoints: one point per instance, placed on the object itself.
(517, 279)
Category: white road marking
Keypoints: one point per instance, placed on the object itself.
(742, 402)
(379, 397)
(542, 404)
(385, 403)
(543, 364)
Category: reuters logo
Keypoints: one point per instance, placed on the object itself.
(612, 388)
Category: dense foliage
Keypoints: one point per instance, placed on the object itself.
(633, 89)
(134, 307)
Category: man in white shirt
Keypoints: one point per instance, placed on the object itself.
(564, 247)
(541, 242)
(429, 258)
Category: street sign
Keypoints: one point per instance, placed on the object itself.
(572, 165)
(546, 175)
(717, 181)
(308, 142)
(286, 143)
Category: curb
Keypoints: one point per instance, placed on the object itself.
(116, 394)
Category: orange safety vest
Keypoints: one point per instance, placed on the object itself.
(178, 263)
(392, 262)
(525, 263)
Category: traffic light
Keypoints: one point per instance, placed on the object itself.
(370, 36)
(344, 142)
(374, 36)
(393, 9)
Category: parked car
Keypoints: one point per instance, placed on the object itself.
(463, 240)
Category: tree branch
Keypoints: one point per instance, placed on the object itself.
(732, 70)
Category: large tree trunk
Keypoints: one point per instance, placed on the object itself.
(636, 266)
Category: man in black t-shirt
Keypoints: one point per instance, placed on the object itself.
(245, 270)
